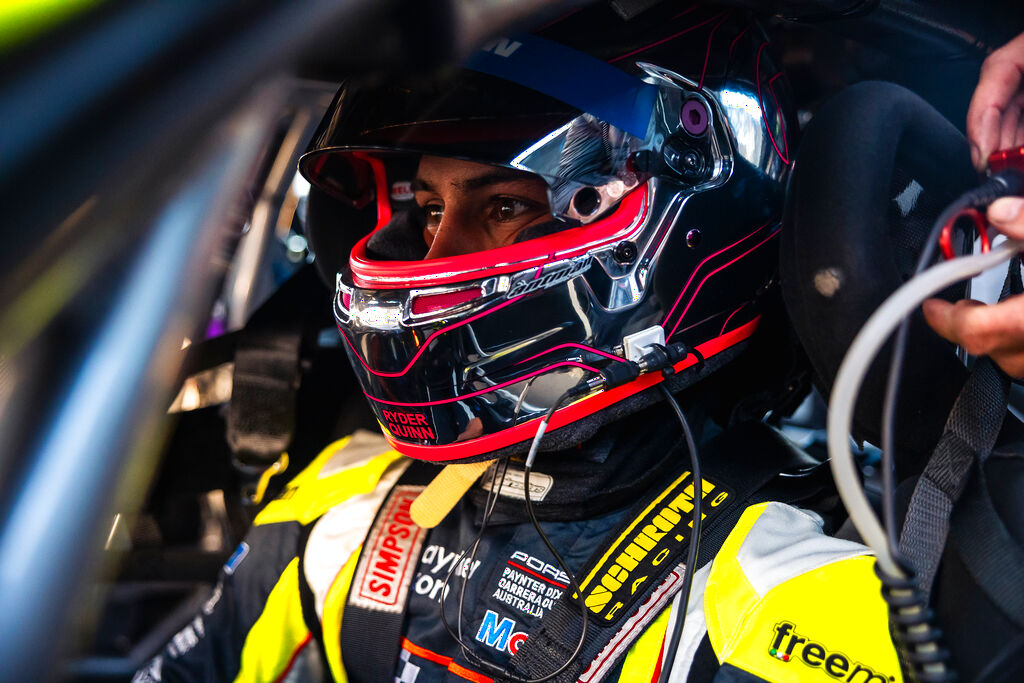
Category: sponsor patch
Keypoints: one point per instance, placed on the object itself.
(402, 191)
(653, 540)
(500, 633)
(385, 568)
(787, 645)
(631, 629)
(548, 275)
(236, 558)
(435, 563)
(530, 585)
(514, 484)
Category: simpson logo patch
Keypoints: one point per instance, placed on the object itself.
(389, 556)
(653, 541)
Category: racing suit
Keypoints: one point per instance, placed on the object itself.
(781, 601)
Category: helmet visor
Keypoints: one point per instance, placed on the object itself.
(431, 206)
(477, 164)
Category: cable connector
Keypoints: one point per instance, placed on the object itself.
(585, 387)
(1006, 182)
(617, 374)
(665, 357)
(1007, 165)
(655, 357)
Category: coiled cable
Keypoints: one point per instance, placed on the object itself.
(1002, 184)
(910, 616)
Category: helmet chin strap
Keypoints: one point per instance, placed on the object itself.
(440, 496)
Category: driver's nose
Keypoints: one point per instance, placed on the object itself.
(455, 236)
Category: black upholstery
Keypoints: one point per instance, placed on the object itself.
(875, 167)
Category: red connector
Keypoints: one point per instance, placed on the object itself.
(1006, 159)
(1006, 170)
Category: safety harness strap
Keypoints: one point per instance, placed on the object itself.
(375, 608)
(994, 560)
(617, 615)
(969, 436)
(261, 414)
(377, 598)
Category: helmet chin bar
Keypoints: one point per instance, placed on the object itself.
(517, 438)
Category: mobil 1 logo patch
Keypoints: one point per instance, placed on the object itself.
(649, 547)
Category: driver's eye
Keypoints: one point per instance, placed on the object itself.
(504, 209)
(433, 213)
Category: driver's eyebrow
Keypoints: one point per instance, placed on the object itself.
(493, 178)
(475, 183)
(421, 185)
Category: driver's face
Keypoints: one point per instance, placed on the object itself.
(474, 207)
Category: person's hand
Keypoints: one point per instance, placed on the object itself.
(994, 119)
(994, 122)
(995, 330)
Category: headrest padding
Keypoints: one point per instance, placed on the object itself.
(875, 167)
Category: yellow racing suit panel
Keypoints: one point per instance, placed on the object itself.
(787, 603)
(334, 608)
(348, 467)
(279, 633)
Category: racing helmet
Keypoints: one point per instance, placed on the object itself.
(655, 152)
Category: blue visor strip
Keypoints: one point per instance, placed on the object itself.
(571, 76)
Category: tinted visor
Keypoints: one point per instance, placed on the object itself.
(586, 164)
(464, 114)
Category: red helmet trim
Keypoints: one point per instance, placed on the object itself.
(571, 413)
(731, 315)
(424, 304)
(624, 223)
(380, 179)
(764, 114)
(700, 265)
